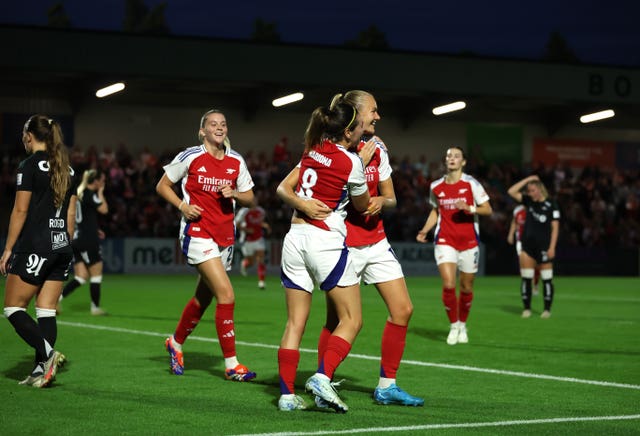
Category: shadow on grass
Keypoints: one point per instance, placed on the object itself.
(436, 335)
(196, 361)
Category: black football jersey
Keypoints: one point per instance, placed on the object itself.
(45, 229)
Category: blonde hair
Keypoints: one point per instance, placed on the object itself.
(542, 188)
(203, 120)
(88, 178)
(47, 130)
(355, 98)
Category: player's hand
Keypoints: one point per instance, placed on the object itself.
(367, 151)
(421, 236)
(191, 212)
(315, 209)
(228, 192)
(375, 206)
(4, 260)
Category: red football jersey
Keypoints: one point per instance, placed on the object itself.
(520, 215)
(367, 230)
(457, 228)
(251, 220)
(330, 174)
(202, 175)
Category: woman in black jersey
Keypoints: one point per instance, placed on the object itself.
(539, 239)
(87, 253)
(37, 254)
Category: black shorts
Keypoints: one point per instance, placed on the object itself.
(36, 269)
(536, 252)
(87, 255)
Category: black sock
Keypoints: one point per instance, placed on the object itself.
(70, 287)
(548, 290)
(94, 289)
(29, 331)
(49, 329)
(525, 293)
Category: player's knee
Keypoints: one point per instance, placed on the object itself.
(527, 273)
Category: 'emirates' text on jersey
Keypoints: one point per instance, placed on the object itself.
(457, 228)
(45, 229)
(537, 226)
(252, 220)
(369, 229)
(331, 174)
(202, 176)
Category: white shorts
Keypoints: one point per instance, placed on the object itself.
(249, 248)
(312, 255)
(376, 263)
(198, 250)
(467, 260)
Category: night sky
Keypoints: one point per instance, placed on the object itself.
(598, 32)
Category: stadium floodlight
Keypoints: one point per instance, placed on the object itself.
(597, 116)
(111, 89)
(287, 99)
(451, 107)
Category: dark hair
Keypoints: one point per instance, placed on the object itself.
(457, 147)
(330, 123)
(47, 130)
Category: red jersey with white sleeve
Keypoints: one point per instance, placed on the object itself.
(330, 173)
(251, 220)
(369, 229)
(457, 228)
(202, 175)
(520, 215)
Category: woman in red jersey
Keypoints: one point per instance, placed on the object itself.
(457, 199)
(314, 250)
(213, 179)
(372, 255)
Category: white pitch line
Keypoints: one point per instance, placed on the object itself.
(447, 426)
(376, 358)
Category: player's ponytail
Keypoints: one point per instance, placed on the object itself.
(47, 130)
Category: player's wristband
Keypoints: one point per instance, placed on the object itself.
(180, 207)
(472, 210)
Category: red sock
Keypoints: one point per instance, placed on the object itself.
(224, 327)
(287, 368)
(450, 303)
(325, 334)
(393, 342)
(465, 305)
(262, 270)
(245, 263)
(337, 351)
(188, 321)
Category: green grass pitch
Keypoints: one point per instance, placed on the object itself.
(575, 373)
